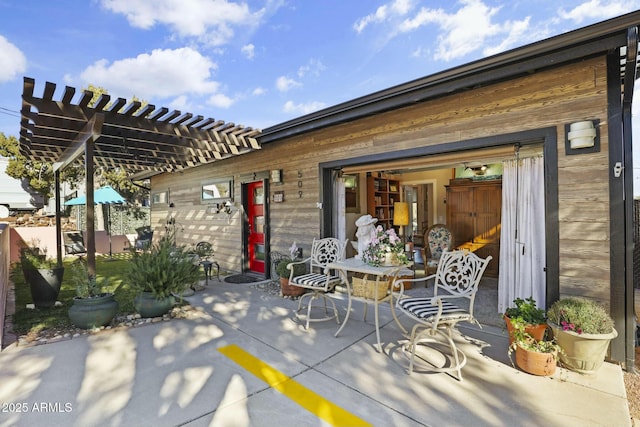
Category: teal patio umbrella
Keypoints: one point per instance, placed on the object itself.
(104, 195)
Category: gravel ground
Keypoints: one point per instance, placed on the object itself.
(632, 384)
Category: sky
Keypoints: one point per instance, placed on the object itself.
(261, 62)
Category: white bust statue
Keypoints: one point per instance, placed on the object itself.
(366, 227)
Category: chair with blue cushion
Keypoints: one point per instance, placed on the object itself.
(456, 282)
(317, 280)
(437, 239)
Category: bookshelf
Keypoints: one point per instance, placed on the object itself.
(381, 194)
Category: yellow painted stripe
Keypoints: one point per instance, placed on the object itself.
(309, 400)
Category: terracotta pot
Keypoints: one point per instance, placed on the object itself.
(289, 290)
(532, 362)
(536, 331)
(583, 353)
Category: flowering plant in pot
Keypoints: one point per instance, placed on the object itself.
(385, 248)
(537, 357)
(584, 329)
(284, 273)
(534, 318)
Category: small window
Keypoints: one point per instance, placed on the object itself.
(159, 198)
(217, 190)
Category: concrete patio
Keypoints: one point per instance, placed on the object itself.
(183, 372)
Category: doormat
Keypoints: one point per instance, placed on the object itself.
(241, 278)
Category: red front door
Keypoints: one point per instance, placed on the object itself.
(255, 211)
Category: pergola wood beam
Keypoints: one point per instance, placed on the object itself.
(77, 147)
(129, 136)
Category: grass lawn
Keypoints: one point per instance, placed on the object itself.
(34, 320)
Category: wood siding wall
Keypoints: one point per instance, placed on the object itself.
(550, 98)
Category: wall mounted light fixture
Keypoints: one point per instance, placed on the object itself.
(226, 207)
(582, 137)
(477, 170)
(276, 176)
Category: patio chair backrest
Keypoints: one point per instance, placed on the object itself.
(325, 251)
(459, 273)
(74, 243)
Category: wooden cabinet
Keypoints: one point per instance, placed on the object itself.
(473, 216)
(381, 194)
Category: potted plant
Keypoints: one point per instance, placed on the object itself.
(43, 274)
(537, 357)
(583, 329)
(534, 318)
(91, 307)
(159, 273)
(284, 273)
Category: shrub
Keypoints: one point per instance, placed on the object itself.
(580, 315)
(284, 272)
(163, 269)
(527, 310)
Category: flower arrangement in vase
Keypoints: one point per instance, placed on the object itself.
(385, 248)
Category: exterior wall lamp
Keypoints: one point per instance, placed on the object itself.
(582, 137)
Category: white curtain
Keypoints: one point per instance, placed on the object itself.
(522, 238)
(339, 216)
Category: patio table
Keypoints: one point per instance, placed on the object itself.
(355, 265)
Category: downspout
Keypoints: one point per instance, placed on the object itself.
(627, 99)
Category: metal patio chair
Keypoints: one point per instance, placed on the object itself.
(319, 282)
(73, 242)
(456, 279)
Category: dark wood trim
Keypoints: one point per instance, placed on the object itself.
(327, 225)
(550, 150)
(630, 76)
(619, 218)
(552, 222)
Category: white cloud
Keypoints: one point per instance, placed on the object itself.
(383, 13)
(248, 51)
(211, 21)
(471, 27)
(597, 10)
(160, 74)
(313, 67)
(12, 59)
(181, 103)
(284, 84)
(516, 32)
(259, 91)
(220, 100)
(462, 32)
(310, 107)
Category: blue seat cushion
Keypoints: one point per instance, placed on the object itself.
(314, 280)
(422, 309)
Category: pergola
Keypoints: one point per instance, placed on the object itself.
(142, 140)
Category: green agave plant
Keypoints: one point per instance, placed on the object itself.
(163, 269)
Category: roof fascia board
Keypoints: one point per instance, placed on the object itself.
(565, 48)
